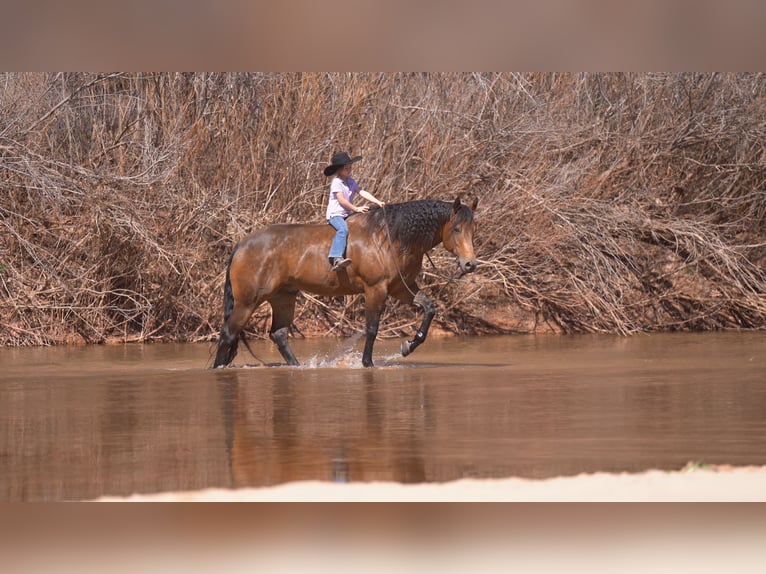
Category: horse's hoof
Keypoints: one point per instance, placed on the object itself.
(406, 348)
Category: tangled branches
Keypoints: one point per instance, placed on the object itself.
(607, 202)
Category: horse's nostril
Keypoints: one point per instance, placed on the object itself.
(470, 265)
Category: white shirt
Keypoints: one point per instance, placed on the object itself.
(349, 192)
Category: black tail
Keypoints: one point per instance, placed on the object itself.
(227, 345)
(228, 295)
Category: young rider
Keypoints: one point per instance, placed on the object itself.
(343, 190)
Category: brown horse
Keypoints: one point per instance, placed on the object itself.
(386, 246)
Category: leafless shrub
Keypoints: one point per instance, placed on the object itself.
(608, 202)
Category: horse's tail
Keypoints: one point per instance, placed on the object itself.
(227, 345)
(228, 294)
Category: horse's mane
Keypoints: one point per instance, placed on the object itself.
(412, 225)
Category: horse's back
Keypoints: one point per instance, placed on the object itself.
(289, 257)
(304, 235)
(286, 232)
(281, 245)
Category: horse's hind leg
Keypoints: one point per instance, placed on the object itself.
(429, 311)
(229, 337)
(283, 312)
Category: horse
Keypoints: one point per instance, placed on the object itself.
(386, 246)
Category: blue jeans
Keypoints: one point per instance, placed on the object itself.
(338, 247)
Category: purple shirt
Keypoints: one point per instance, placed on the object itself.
(349, 192)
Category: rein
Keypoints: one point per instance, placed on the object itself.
(441, 275)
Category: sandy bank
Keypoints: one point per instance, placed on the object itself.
(721, 484)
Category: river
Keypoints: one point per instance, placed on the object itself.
(77, 423)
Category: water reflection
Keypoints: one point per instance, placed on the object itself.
(321, 426)
(79, 423)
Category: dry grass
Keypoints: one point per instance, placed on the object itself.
(608, 202)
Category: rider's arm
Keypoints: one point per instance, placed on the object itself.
(347, 205)
(371, 198)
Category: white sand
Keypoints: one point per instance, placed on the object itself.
(719, 484)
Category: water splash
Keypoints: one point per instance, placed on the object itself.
(344, 356)
(341, 356)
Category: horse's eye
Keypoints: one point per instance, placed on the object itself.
(456, 229)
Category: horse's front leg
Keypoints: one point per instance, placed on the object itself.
(429, 310)
(374, 304)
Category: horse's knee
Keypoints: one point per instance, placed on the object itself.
(371, 328)
(424, 303)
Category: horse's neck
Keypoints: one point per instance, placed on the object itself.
(418, 246)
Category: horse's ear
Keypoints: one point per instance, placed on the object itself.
(456, 205)
(474, 203)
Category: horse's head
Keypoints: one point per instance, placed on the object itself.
(457, 235)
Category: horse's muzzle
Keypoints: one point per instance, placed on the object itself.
(467, 265)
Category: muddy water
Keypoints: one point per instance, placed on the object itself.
(77, 423)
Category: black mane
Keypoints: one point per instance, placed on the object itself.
(414, 225)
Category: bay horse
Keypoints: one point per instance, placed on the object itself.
(386, 246)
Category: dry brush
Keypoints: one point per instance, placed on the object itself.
(607, 202)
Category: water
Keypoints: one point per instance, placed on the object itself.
(80, 422)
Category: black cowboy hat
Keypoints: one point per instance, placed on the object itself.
(338, 161)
